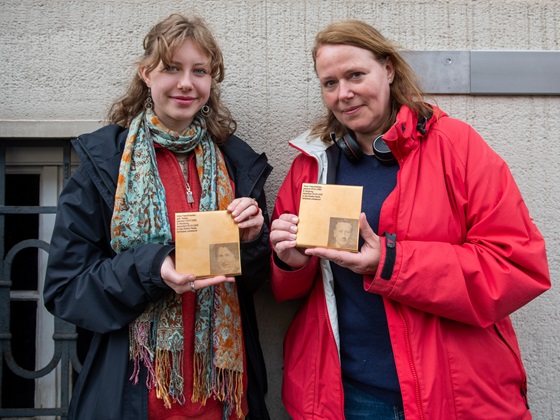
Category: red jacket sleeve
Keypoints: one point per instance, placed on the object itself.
(293, 284)
(498, 265)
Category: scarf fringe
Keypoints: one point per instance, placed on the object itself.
(166, 374)
(226, 385)
(169, 383)
(202, 382)
(140, 352)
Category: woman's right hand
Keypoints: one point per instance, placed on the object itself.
(283, 238)
(182, 283)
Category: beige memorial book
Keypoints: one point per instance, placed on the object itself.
(329, 216)
(207, 244)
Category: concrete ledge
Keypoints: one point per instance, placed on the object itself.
(46, 129)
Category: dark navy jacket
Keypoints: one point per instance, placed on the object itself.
(90, 286)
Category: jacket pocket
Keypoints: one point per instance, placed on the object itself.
(486, 373)
(506, 335)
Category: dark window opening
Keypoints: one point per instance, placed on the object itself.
(21, 190)
(18, 392)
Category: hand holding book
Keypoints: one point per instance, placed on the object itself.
(365, 261)
(187, 282)
(328, 216)
(248, 216)
(207, 243)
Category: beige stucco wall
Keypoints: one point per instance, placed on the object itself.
(63, 62)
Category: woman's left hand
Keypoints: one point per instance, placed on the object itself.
(248, 216)
(363, 262)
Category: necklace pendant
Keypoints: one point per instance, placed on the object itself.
(190, 198)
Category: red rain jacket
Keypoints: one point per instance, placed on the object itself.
(467, 256)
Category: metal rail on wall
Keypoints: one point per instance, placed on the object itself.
(487, 72)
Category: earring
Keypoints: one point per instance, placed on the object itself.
(205, 111)
(148, 103)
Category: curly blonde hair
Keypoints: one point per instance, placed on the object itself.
(405, 89)
(160, 44)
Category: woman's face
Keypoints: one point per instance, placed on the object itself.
(356, 88)
(226, 259)
(180, 90)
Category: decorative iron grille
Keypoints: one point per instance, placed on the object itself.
(65, 336)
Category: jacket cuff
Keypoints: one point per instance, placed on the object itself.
(158, 262)
(255, 240)
(383, 281)
(390, 256)
(289, 283)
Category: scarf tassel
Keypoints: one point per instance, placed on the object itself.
(170, 382)
(226, 385)
(140, 353)
(166, 375)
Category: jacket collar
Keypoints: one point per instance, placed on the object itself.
(314, 147)
(404, 136)
(101, 153)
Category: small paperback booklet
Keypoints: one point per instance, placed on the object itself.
(329, 216)
(207, 244)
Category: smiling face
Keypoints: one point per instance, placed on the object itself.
(356, 88)
(182, 88)
(226, 259)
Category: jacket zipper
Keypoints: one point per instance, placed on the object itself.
(401, 314)
(411, 364)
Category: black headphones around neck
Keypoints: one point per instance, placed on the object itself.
(353, 152)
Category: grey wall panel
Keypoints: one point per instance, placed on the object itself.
(443, 72)
(515, 72)
(487, 72)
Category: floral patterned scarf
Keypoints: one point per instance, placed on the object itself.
(140, 216)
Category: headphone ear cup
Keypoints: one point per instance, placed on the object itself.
(382, 152)
(350, 148)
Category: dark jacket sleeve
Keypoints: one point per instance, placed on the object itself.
(255, 259)
(249, 171)
(86, 283)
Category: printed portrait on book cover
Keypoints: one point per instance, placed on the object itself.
(342, 233)
(224, 259)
